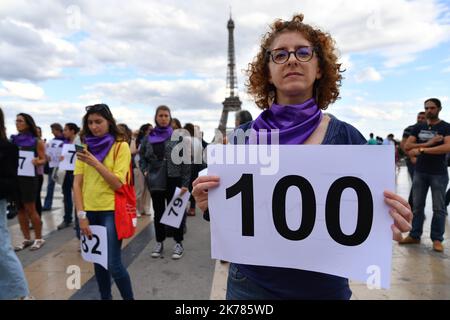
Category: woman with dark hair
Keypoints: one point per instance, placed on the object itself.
(175, 124)
(28, 140)
(295, 76)
(242, 117)
(155, 155)
(100, 169)
(13, 284)
(70, 133)
(143, 197)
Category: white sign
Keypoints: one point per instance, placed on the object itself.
(96, 249)
(54, 149)
(175, 210)
(26, 167)
(69, 154)
(322, 209)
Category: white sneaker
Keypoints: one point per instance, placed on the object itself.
(38, 243)
(177, 251)
(157, 250)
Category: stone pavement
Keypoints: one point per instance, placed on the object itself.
(418, 272)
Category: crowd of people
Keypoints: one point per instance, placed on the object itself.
(88, 186)
(293, 78)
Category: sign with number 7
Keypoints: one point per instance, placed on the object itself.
(26, 167)
(69, 155)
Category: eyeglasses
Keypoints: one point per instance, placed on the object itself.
(302, 54)
(98, 108)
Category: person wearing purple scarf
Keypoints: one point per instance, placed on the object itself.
(27, 140)
(163, 176)
(70, 133)
(294, 76)
(57, 131)
(101, 168)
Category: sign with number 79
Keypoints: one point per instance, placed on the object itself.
(322, 210)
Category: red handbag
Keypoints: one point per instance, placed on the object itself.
(125, 205)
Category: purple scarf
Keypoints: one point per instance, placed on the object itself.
(100, 146)
(24, 140)
(295, 122)
(160, 134)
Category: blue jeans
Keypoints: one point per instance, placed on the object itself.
(115, 266)
(13, 284)
(67, 192)
(50, 188)
(239, 287)
(438, 184)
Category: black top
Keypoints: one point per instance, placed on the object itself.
(430, 163)
(408, 130)
(159, 149)
(406, 134)
(9, 161)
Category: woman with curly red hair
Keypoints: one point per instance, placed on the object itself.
(295, 76)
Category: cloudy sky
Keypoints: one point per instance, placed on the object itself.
(58, 56)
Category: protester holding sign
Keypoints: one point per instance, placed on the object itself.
(163, 176)
(57, 131)
(29, 144)
(101, 168)
(295, 76)
(70, 132)
(13, 284)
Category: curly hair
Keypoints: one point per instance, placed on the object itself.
(326, 89)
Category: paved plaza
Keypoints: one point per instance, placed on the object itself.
(417, 273)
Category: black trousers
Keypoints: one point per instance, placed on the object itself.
(160, 200)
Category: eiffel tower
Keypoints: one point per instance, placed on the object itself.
(232, 102)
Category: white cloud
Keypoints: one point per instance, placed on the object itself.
(446, 70)
(27, 91)
(175, 52)
(44, 113)
(32, 54)
(178, 94)
(173, 37)
(346, 62)
(382, 118)
(368, 74)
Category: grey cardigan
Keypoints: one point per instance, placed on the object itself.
(147, 155)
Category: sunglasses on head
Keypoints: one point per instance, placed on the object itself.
(98, 108)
